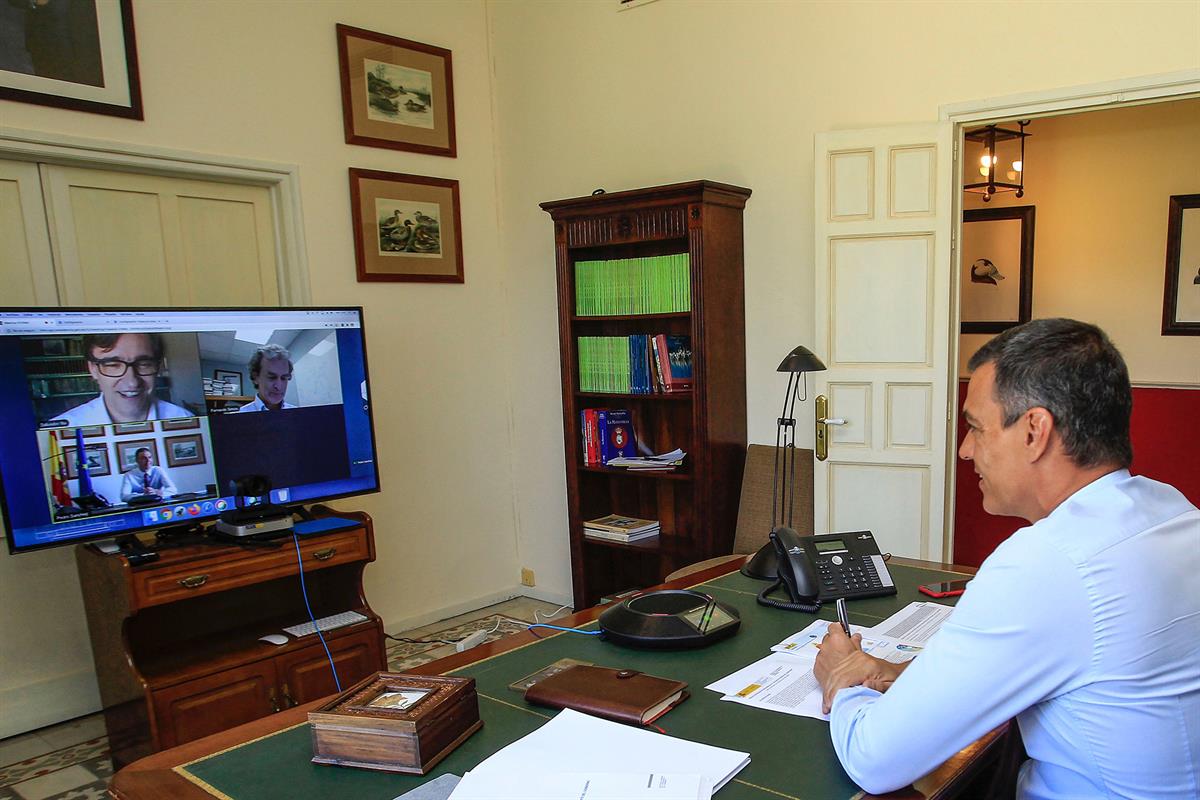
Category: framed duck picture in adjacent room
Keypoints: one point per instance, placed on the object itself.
(406, 227)
(1181, 298)
(996, 279)
(396, 93)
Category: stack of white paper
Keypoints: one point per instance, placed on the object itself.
(784, 681)
(578, 746)
(585, 786)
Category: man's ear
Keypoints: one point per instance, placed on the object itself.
(1039, 432)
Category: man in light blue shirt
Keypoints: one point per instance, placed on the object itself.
(148, 480)
(1085, 625)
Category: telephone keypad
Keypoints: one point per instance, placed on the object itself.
(848, 576)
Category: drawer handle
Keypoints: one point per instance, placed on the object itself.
(193, 581)
(324, 555)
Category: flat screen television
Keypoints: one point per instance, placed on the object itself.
(169, 408)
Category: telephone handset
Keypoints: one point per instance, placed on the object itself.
(817, 568)
(796, 573)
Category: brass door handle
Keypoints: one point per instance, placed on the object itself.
(193, 581)
(821, 433)
(288, 701)
(324, 555)
(273, 700)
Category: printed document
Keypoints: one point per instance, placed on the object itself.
(784, 681)
(914, 624)
(576, 786)
(572, 742)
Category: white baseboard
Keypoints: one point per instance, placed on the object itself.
(473, 604)
(47, 702)
(453, 610)
(545, 596)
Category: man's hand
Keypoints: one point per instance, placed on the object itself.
(842, 663)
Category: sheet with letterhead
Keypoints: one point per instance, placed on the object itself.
(784, 680)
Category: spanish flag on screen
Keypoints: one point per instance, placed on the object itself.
(58, 473)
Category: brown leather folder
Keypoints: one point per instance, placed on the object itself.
(622, 695)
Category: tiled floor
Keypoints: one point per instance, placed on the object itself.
(70, 761)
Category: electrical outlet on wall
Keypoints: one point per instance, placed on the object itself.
(527, 577)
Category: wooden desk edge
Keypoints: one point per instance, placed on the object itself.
(154, 776)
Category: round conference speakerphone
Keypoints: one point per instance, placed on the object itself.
(669, 619)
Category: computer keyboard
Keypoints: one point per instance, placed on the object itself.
(326, 624)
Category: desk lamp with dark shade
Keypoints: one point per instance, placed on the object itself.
(801, 360)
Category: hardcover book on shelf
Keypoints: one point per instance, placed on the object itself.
(589, 431)
(674, 359)
(623, 538)
(621, 524)
(617, 439)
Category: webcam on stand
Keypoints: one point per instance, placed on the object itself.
(253, 514)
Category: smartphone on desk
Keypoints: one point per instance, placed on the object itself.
(944, 589)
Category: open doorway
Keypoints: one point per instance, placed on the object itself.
(1097, 190)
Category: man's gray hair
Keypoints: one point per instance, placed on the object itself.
(270, 352)
(1072, 370)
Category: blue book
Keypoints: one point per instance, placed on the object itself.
(617, 439)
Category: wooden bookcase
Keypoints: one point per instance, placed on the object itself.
(697, 504)
(175, 641)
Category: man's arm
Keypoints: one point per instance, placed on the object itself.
(128, 490)
(1005, 649)
(166, 486)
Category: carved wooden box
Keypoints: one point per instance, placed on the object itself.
(396, 722)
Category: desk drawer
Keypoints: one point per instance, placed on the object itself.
(179, 581)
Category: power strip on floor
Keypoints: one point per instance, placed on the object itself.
(474, 639)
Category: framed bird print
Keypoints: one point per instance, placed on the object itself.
(1181, 300)
(996, 272)
(406, 227)
(396, 93)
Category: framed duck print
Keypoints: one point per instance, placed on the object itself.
(406, 227)
(396, 93)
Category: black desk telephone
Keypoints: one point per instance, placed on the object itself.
(817, 568)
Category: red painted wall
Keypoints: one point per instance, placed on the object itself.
(1165, 430)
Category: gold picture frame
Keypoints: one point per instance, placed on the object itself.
(396, 93)
(406, 227)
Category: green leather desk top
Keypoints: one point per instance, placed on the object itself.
(791, 757)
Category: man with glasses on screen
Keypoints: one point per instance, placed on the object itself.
(124, 366)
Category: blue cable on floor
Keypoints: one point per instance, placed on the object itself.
(568, 630)
(313, 619)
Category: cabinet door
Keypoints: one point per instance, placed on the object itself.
(123, 238)
(26, 277)
(304, 675)
(215, 703)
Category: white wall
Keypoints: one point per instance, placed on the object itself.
(259, 80)
(466, 377)
(587, 96)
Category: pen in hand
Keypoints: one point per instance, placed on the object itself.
(843, 617)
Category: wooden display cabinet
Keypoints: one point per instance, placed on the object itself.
(175, 641)
(697, 504)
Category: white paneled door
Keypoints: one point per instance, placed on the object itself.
(127, 239)
(25, 275)
(883, 309)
